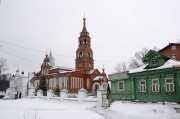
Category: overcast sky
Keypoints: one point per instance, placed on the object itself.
(118, 28)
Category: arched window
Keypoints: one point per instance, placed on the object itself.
(88, 83)
(89, 55)
(84, 41)
(80, 54)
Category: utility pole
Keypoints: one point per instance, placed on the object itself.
(28, 84)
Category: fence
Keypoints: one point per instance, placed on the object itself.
(81, 96)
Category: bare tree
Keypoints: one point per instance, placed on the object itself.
(137, 60)
(3, 65)
(120, 67)
(156, 49)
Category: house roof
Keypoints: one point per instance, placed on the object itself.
(168, 46)
(97, 78)
(169, 64)
(118, 76)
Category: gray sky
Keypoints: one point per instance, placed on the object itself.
(118, 28)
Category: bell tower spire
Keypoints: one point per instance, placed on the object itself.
(84, 53)
(84, 30)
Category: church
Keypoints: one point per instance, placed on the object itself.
(83, 76)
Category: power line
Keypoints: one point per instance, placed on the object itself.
(70, 57)
(20, 57)
(33, 49)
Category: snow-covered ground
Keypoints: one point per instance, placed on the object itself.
(129, 110)
(56, 109)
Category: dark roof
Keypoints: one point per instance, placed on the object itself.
(84, 30)
(168, 46)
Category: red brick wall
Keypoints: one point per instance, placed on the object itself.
(169, 52)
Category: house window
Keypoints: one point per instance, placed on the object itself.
(143, 86)
(169, 85)
(155, 85)
(173, 56)
(120, 85)
(173, 47)
(154, 60)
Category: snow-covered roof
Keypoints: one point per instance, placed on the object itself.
(169, 64)
(62, 67)
(65, 71)
(91, 71)
(117, 76)
(97, 78)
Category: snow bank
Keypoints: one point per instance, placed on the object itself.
(46, 109)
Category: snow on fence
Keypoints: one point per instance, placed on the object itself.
(81, 96)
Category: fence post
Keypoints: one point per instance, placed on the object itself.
(64, 94)
(49, 93)
(39, 93)
(82, 94)
(31, 91)
(100, 91)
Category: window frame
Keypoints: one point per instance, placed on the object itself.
(173, 47)
(156, 88)
(168, 85)
(118, 85)
(140, 89)
(154, 61)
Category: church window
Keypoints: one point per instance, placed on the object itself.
(89, 55)
(85, 41)
(154, 61)
(155, 85)
(88, 83)
(169, 85)
(80, 54)
(120, 86)
(142, 86)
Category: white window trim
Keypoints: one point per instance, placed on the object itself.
(173, 47)
(154, 61)
(157, 84)
(140, 85)
(118, 86)
(169, 83)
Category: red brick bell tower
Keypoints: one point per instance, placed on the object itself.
(84, 53)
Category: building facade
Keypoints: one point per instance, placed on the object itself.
(18, 86)
(83, 76)
(172, 50)
(156, 81)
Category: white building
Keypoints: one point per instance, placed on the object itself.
(18, 86)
